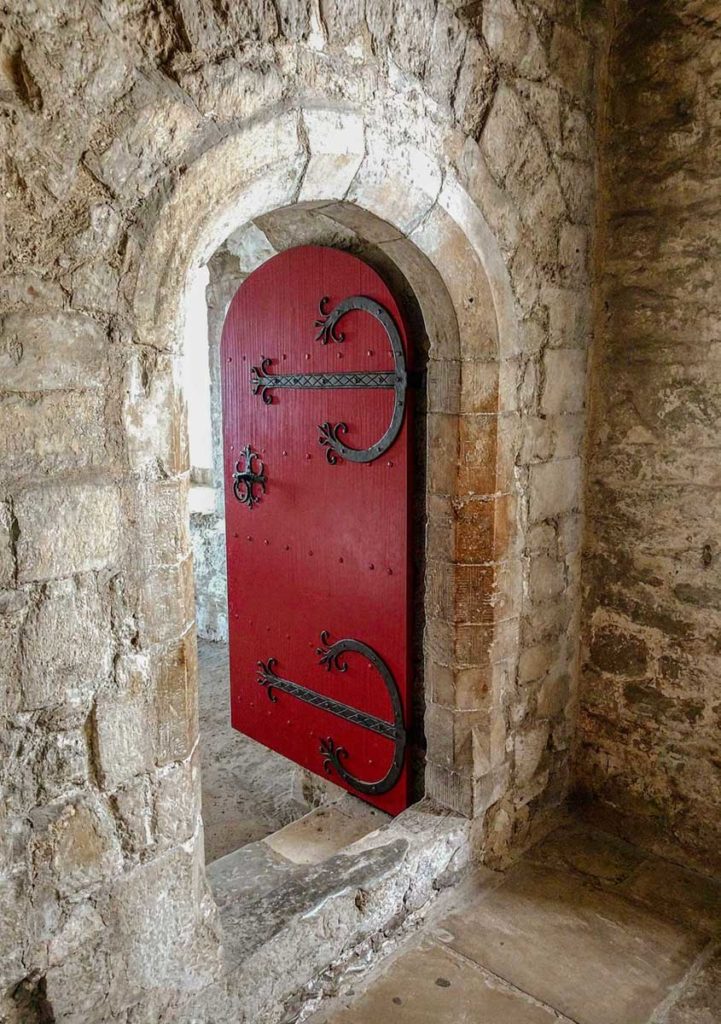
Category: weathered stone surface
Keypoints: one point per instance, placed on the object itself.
(649, 714)
(700, 1003)
(7, 544)
(75, 845)
(137, 140)
(67, 646)
(557, 921)
(50, 351)
(122, 736)
(337, 145)
(67, 529)
(555, 488)
(61, 430)
(418, 177)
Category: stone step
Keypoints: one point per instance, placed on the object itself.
(284, 924)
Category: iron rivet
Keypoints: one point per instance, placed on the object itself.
(287, 547)
(340, 355)
(248, 537)
(307, 455)
(307, 355)
(390, 465)
(340, 559)
(243, 358)
(285, 453)
(266, 542)
(370, 351)
(390, 572)
(310, 553)
(371, 566)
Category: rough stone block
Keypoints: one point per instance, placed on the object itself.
(232, 89)
(163, 535)
(336, 140)
(411, 35)
(448, 43)
(44, 352)
(512, 38)
(450, 789)
(67, 646)
(159, 920)
(507, 124)
(401, 181)
(123, 734)
(134, 160)
(571, 60)
(60, 430)
(76, 844)
(555, 488)
(7, 544)
(153, 414)
(474, 593)
(448, 249)
(177, 802)
(474, 89)
(442, 453)
(175, 676)
(573, 252)
(546, 579)
(133, 810)
(67, 529)
(477, 455)
(529, 749)
(14, 606)
(164, 600)
(95, 287)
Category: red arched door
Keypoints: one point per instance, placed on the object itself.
(316, 432)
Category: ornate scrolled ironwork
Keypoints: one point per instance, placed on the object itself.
(331, 656)
(263, 382)
(247, 478)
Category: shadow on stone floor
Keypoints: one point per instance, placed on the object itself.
(585, 929)
(248, 791)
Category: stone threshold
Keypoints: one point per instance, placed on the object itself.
(290, 914)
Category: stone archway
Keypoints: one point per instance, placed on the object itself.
(396, 198)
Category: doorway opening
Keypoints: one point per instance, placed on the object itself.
(251, 794)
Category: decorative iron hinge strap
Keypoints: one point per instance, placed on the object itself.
(267, 677)
(262, 381)
(333, 657)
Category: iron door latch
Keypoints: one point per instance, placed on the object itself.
(248, 477)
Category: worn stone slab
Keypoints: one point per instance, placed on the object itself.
(429, 984)
(280, 939)
(323, 832)
(685, 896)
(591, 954)
(700, 1001)
(598, 855)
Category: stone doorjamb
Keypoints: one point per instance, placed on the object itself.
(399, 199)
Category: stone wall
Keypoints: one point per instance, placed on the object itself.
(135, 135)
(651, 705)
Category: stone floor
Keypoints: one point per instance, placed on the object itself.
(585, 929)
(247, 791)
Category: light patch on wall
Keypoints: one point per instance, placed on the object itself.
(196, 372)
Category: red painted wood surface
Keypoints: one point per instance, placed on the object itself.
(327, 547)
